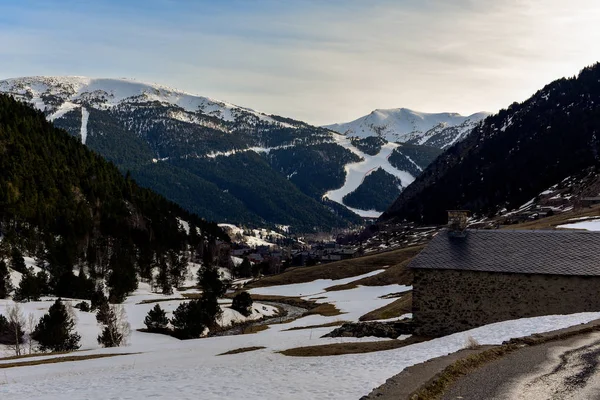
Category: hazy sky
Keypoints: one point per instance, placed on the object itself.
(319, 61)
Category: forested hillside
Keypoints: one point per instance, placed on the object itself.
(513, 156)
(68, 207)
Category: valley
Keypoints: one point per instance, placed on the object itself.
(313, 204)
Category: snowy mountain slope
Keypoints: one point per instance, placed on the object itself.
(356, 172)
(54, 95)
(404, 125)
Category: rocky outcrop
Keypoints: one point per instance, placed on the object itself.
(377, 329)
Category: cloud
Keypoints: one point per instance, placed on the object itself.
(318, 61)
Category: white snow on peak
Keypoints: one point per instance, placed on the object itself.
(403, 124)
(105, 93)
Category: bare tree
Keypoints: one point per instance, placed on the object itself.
(115, 329)
(31, 323)
(16, 321)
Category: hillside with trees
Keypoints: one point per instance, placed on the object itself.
(83, 221)
(513, 155)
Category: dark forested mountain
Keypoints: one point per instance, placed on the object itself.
(221, 161)
(68, 206)
(513, 156)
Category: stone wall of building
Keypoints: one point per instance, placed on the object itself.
(448, 301)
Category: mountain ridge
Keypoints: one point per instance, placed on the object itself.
(224, 162)
(410, 126)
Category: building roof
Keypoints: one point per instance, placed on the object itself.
(554, 252)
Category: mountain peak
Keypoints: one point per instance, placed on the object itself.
(406, 125)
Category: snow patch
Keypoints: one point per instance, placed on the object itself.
(85, 115)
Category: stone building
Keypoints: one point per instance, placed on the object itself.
(467, 278)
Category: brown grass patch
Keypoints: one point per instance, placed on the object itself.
(242, 350)
(339, 269)
(396, 274)
(248, 330)
(336, 349)
(191, 296)
(324, 309)
(395, 309)
(327, 325)
(59, 360)
(150, 301)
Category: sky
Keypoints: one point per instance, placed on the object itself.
(313, 60)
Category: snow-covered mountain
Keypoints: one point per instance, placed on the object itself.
(58, 95)
(225, 162)
(407, 126)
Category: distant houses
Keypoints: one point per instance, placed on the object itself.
(468, 278)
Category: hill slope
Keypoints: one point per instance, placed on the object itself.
(69, 207)
(513, 156)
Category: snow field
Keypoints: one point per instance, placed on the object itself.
(167, 368)
(590, 225)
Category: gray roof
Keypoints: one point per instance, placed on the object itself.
(555, 252)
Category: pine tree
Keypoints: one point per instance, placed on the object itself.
(5, 283)
(55, 331)
(29, 287)
(210, 281)
(244, 270)
(242, 303)
(98, 297)
(156, 320)
(7, 331)
(17, 262)
(177, 267)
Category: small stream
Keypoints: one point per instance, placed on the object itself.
(290, 313)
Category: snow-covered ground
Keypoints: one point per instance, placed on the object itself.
(166, 368)
(256, 238)
(589, 225)
(356, 172)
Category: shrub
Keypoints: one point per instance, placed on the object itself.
(242, 303)
(471, 343)
(192, 318)
(83, 306)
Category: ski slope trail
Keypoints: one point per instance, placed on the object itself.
(356, 172)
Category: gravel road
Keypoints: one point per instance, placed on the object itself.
(566, 369)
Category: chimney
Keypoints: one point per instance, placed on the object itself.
(457, 223)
